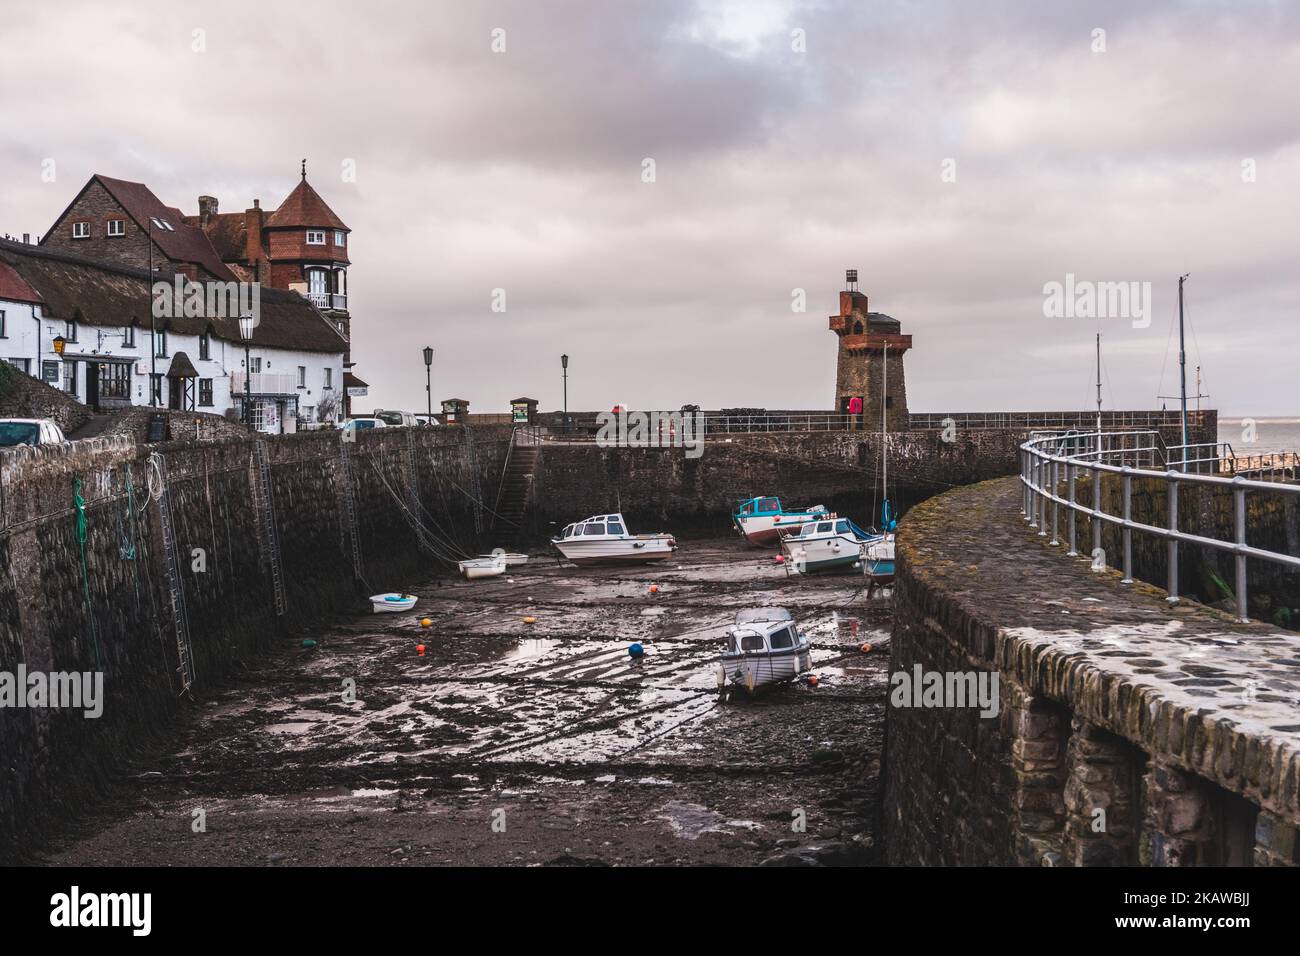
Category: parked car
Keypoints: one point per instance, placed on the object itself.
(395, 418)
(359, 424)
(30, 431)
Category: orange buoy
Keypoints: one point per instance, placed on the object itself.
(425, 622)
(530, 620)
(654, 589)
(812, 680)
(780, 559)
(419, 649)
(867, 648)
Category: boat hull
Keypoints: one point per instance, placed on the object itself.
(482, 568)
(763, 668)
(628, 551)
(767, 530)
(810, 556)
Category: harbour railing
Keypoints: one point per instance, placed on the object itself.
(1053, 464)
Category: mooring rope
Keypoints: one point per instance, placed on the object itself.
(80, 503)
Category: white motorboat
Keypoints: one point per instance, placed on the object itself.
(764, 647)
(835, 543)
(488, 567)
(392, 602)
(604, 539)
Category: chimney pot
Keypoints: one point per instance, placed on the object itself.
(207, 209)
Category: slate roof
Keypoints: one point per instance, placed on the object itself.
(183, 242)
(95, 293)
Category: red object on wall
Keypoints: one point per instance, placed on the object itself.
(855, 406)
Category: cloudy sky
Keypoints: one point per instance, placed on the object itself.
(959, 155)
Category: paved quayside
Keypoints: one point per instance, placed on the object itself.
(593, 757)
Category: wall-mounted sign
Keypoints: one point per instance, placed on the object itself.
(356, 391)
(49, 371)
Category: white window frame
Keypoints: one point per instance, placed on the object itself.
(329, 377)
(302, 376)
(320, 237)
(340, 237)
(81, 230)
(128, 336)
(115, 228)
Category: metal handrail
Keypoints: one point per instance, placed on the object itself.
(1048, 460)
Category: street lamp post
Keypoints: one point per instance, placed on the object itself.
(564, 366)
(246, 333)
(428, 382)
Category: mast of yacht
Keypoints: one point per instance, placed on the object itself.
(1182, 366)
(1099, 384)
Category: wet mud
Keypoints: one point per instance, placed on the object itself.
(509, 742)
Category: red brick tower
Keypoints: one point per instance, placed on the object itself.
(867, 340)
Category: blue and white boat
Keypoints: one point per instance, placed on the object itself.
(838, 544)
(763, 520)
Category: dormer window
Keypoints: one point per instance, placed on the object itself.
(117, 227)
(81, 230)
(340, 238)
(315, 237)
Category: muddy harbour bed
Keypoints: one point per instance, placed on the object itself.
(510, 743)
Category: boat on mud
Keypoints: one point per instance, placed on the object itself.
(836, 544)
(604, 539)
(764, 647)
(488, 567)
(391, 603)
(763, 520)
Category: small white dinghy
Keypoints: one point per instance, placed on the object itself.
(512, 558)
(389, 603)
(488, 567)
(764, 647)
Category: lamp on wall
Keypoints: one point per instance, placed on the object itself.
(246, 323)
(428, 381)
(564, 367)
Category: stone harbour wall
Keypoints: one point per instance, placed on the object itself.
(664, 489)
(104, 606)
(1129, 731)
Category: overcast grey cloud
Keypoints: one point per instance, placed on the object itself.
(776, 168)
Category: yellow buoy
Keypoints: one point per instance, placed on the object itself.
(425, 622)
(530, 620)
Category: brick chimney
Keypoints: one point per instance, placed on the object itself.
(253, 236)
(207, 209)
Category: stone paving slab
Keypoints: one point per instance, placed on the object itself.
(1185, 682)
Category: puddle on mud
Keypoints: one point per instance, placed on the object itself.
(690, 820)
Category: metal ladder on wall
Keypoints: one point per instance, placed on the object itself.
(349, 504)
(175, 586)
(269, 537)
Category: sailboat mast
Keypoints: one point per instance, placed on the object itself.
(1182, 367)
(1098, 383)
